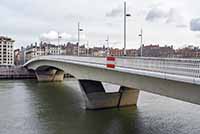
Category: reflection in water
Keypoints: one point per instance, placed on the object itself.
(59, 108)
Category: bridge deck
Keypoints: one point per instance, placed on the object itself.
(183, 70)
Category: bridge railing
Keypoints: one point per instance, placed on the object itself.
(183, 67)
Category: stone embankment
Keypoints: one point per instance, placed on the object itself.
(16, 72)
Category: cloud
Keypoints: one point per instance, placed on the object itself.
(115, 12)
(156, 14)
(53, 36)
(181, 26)
(167, 16)
(195, 24)
(176, 18)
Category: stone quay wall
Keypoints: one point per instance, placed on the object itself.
(16, 72)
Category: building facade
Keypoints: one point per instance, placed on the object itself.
(188, 52)
(6, 51)
(157, 51)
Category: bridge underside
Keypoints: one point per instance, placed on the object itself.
(49, 74)
(94, 92)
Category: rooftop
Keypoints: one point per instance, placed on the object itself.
(3, 38)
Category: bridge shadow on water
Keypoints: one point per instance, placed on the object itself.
(59, 108)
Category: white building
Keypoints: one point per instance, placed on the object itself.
(6, 51)
(51, 49)
(33, 51)
(43, 49)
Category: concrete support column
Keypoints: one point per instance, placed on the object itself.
(128, 96)
(97, 98)
(50, 75)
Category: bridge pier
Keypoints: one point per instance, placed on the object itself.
(97, 98)
(50, 75)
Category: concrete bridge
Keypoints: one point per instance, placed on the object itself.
(175, 78)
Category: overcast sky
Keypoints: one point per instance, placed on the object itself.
(163, 21)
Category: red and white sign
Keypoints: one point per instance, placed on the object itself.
(110, 62)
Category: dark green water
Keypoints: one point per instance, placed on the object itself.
(28, 107)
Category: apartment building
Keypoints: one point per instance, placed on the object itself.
(33, 51)
(6, 51)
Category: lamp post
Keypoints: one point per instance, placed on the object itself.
(108, 49)
(24, 51)
(87, 50)
(141, 41)
(59, 47)
(125, 16)
(41, 48)
(79, 30)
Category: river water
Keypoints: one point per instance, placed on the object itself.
(29, 107)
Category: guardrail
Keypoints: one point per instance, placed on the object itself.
(175, 66)
(184, 67)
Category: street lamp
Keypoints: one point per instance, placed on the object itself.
(108, 49)
(79, 30)
(59, 37)
(59, 47)
(125, 15)
(141, 41)
(87, 50)
(24, 53)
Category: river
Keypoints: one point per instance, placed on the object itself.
(29, 107)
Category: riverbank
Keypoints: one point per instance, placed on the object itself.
(16, 72)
